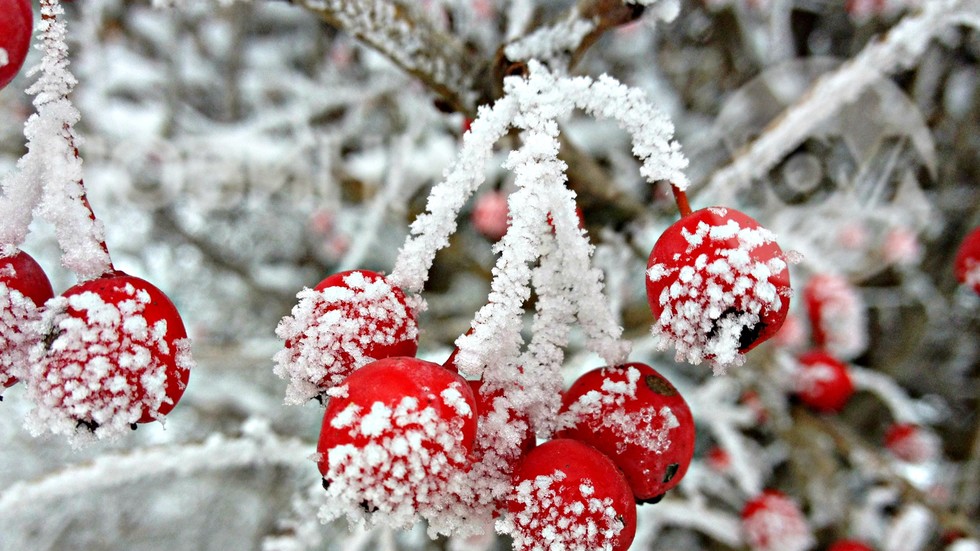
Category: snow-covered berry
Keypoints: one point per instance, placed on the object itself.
(718, 285)
(490, 215)
(635, 416)
(112, 352)
(849, 545)
(838, 315)
(912, 443)
(967, 262)
(24, 288)
(773, 522)
(823, 382)
(395, 436)
(568, 495)
(348, 320)
(16, 27)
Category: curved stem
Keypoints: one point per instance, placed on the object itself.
(680, 196)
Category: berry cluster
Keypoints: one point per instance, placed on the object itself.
(405, 439)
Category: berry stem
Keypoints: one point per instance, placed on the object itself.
(55, 53)
(680, 196)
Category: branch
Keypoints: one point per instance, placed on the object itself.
(408, 39)
(900, 49)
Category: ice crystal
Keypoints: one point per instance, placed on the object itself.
(17, 315)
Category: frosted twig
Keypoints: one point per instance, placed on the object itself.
(48, 179)
(718, 525)
(899, 49)
(258, 446)
(897, 401)
(406, 37)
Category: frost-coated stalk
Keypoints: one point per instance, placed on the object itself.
(48, 179)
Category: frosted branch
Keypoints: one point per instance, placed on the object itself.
(400, 33)
(897, 401)
(259, 446)
(899, 49)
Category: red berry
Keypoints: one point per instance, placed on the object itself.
(115, 353)
(16, 27)
(635, 416)
(489, 415)
(838, 315)
(394, 433)
(348, 320)
(967, 263)
(24, 288)
(912, 443)
(849, 545)
(568, 495)
(490, 215)
(719, 460)
(773, 522)
(718, 285)
(823, 382)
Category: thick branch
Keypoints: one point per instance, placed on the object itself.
(407, 38)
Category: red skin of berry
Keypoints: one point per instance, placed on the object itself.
(30, 279)
(110, 288)
(830, 394)
(388, 381)
(672, 249)
(16, 27)
(849, 545)
(580, 463)
(649, 473)
(967, 257)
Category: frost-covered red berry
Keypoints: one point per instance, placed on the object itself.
(114, 352)
(838, 315)
(849, 545)
(16, 27)
(912, 443)
(967, 262)
(394, 436)
(718, 285)
(24, 288)
(348, 320)
(635, 416)
(823, 382)
(773, 522)
(568, 495)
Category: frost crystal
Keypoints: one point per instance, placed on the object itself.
(404, 473)
(17, 314)
(99, 365)
(548, 516)
(329, 331)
